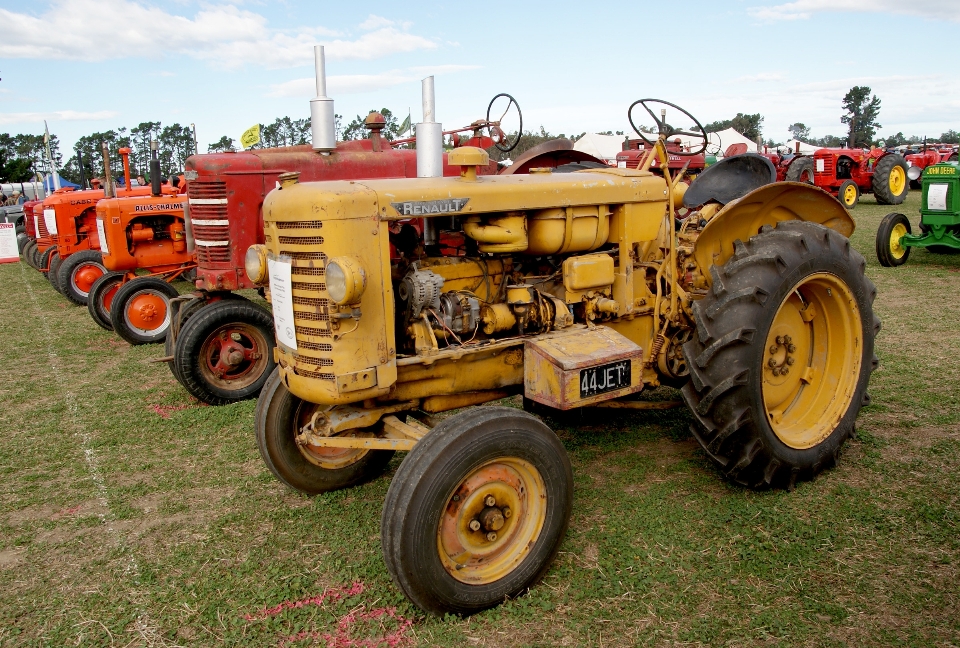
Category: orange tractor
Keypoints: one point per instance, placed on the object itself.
(72, 260)
(140, 233)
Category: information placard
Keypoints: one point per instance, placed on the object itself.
(8, 243)
(281, 298)
(937, 197)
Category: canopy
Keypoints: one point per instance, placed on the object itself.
(48, 183)
(604, 147)
(804, 147)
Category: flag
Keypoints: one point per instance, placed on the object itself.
(405, 126)
(250, 137)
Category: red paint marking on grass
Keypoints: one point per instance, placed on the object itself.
(330, 594)
(342, 639)
(164, 410)
(66, 511)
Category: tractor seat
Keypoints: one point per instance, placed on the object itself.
(729, 179)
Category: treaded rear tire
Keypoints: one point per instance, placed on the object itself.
(881, 180)
(800, 170)
(726, 356)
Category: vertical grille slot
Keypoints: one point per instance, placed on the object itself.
(208, 218)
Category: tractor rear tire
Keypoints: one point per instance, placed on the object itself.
(278, 418)
(849, 194)
(800, 170)
(890, 184)
(224, 352)
(890, 252)
(435, 529)
(953, 158)
(140, 312)
(761, 428)
(100, 298)
(78, 273)
(55, 264)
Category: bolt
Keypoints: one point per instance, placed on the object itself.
(490, 500)
(779, 339)
(474, 525)
(791, 348)
(829, 292)
(790, 361)
(223, 335)
(774, 348)
(491, 536)
(772, 362)
(507, 512)
(784, 371)
(456, 498)
(235, 337)
(786, 338)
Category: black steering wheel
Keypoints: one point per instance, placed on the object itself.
(501, 139)
(664, 128)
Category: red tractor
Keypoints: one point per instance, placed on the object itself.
(637, 150)
(848, 173)
(930, 154)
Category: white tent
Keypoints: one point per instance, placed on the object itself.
(806, 149)
(604, 147)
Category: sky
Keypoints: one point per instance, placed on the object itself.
(224, 65)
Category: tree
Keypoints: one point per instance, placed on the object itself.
(828, 141)
(285, 132)
(750, 126)
(950, 137)
(862, 110)
(176, 145)
(799, 131)
(222, 145)
(895, 140)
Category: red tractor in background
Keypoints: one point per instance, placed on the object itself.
(32, 213)
(637, 150)
(790, 166)
(848, 173)
(929, 154)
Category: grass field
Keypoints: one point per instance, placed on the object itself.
(131, 516)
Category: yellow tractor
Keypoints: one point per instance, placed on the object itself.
(581, 289)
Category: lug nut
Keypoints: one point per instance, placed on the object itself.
(784, 371)
(507, 512)
(790, 361)
(474, 525)
(779, 339)
(772, 362)
(774, 348)
(791, 348)
(786, 338)
(235, 337)
(491, 536)
(490, 500)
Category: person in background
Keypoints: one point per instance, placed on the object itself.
(20, 199)
(140, 181)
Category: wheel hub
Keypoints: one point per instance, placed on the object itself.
(85, 276)
(232, 355)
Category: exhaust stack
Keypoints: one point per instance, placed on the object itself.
(322, 128)
(154, 169)
(108, 188)
(429, 157)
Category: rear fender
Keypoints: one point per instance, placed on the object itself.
(768, 205)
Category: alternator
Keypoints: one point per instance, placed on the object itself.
(420, 289)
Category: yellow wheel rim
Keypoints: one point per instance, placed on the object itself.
(896, 236)
(811, 363)
(849, 195)
(491, 520)
(898, 180)
(324, 457)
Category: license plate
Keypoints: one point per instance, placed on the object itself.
(605, 378)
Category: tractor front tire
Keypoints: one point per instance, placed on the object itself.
(28, 249)
(140, 312)
(100, 298)
(800, 170)
(78, 273)
(890, 185)
(224, 352)
(782, 355)
(309, 469)
(890, 251)
(849, 194)
(477, 510)
(55, 263)
(35, 257)
(44, 262)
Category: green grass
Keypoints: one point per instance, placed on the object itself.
(123, 526)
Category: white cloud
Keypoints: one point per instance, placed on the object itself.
(225, 35)
(803, 9)
(58, 115)
(347, 84)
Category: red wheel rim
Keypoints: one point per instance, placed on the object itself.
(234, 356)
(85, 275)
(147, 312)
(106, 298)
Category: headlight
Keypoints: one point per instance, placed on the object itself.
(345, 280)
(255, 263)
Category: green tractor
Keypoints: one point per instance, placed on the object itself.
(939, 219)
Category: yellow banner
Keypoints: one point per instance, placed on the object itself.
(250, 137)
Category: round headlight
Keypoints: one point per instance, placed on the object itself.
(255, 263)
(345, 280)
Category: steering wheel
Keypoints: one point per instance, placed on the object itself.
(665, 129)
(500, 138)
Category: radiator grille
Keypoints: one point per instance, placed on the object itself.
(216, 192)
(42, 228)
(207, 189)
(311, 305)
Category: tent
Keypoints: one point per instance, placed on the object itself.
(48, 183)
(604, 147)
(806, 149)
